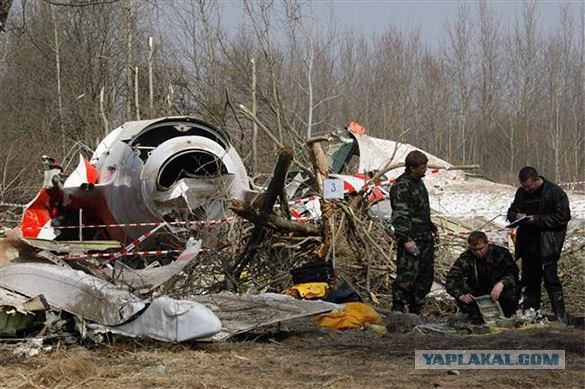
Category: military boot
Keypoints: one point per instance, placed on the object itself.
(398, 306)
(415, 309)
(558, 304)
(531, 301)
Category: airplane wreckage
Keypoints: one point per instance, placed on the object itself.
(70, 252)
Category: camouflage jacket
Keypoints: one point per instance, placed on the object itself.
(466, 273)
(411, 213)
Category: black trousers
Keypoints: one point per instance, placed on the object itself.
(535, 269)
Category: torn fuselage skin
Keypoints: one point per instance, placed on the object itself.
(144, 172)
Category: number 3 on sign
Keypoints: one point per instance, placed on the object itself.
(333, 188)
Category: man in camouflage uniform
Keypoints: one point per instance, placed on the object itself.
(415, 233)
(483, 269)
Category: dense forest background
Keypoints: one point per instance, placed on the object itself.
(500, 95)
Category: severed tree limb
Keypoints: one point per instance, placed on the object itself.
(246, 211)
(276, 185)
(321, 170)
(319, 162)
(275, 188)
(284, 208)
(261, 125)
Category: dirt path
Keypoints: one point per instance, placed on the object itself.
(300, 360)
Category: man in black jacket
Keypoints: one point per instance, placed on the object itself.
(540, 237)
(483, 269)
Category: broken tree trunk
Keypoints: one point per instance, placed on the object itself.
(248, 212)
(321, 170)
(265, 216)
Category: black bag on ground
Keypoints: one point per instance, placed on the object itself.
(313, 272)
(343, 294)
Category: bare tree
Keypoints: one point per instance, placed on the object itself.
(129, 55)
(307, 50)
(522, 53)
(4, 11)
(558, 59)
(460, 54)
(577, 138)
(489, 79)
(56, 48)
(261, 22)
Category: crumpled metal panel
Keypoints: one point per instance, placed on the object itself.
(375, 153)
(146, 280)
(73, 291)
(169, 320)
(236, 186)
(243, 313)
(127, 190)
(20, 303)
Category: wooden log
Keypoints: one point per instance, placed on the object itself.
(321, 169)
(265, 217)
(272, 221)
(276, 186)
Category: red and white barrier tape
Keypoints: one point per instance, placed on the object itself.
(572, 183)
(148, 224)
(465, 233)
(113, 256)
(178, 223)
(138, 241)
(304, 200)
(13, 205)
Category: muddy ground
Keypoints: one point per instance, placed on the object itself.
(311, 358)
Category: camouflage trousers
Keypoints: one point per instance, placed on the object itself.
(414, 276)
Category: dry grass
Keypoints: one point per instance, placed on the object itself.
(308, 359)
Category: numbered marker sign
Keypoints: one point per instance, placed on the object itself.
(333, 188)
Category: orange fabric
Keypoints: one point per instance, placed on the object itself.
(352, 316)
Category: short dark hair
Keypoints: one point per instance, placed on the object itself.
(477, 237)
(415, 159)
(527, 172)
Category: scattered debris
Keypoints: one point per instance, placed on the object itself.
(490, 311)
(173, 185)
(168, 320)
(243, 313)
(73, 291)
(30, 348)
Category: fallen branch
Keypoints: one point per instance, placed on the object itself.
(261, 219)
(246, 211)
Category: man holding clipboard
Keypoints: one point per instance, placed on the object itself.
(541, 212)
